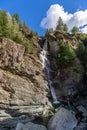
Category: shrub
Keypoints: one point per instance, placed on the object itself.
(75, 30)
(83, 36)
(29, 47)
(81, 49)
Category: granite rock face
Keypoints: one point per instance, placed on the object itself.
(22, 83)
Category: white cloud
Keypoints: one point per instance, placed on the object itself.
(79, 18)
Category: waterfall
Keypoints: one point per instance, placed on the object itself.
(46, 65)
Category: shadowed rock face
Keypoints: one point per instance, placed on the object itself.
(65, 80)
(21, 77)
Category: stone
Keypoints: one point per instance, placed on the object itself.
(4, 115)
(19, 126)
(83, 110)
(62, 120)
(32, 126)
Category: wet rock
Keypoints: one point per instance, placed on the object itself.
(62, 120)
(32, 126)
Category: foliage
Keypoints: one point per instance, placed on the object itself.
(82, 54)
(5, 24)
(80, 49)
(59, 24)
(66, 56)
(65, 28)
(29, 47)
(75, 30)
(83, 36)
(48, 31)
(16, 17)
(49, 113)
(13, 28)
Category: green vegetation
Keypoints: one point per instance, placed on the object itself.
(83, 36)
(50, 112)
(65, 28)
(81, 49)
(66, 56)
(48, 31)
(75, 30)
(14, 29)
(82, 54)
(61, 26)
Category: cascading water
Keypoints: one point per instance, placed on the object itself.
(46, 65)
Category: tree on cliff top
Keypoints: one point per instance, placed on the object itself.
(75, 30)
(65, 28)
(59, 24)
(16, 17)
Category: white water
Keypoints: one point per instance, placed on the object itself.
(46, 65)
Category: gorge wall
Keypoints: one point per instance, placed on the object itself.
(67, 55)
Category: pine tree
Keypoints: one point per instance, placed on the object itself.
(16, 17)
(59, 24)
(5, 24)
(65, 28)
(75, 30)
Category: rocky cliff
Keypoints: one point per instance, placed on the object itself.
(22, 83)
(67, 69)
(68, 64)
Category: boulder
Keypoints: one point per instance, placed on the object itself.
(32, 126)
(83, 110)
(62, 120)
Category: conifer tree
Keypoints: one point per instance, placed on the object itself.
(16, 17)
(75, 30)
(65, 28)
(59, 24)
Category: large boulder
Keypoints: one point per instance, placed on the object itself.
(62, 120)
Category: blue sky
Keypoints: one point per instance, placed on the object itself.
(32, 11)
